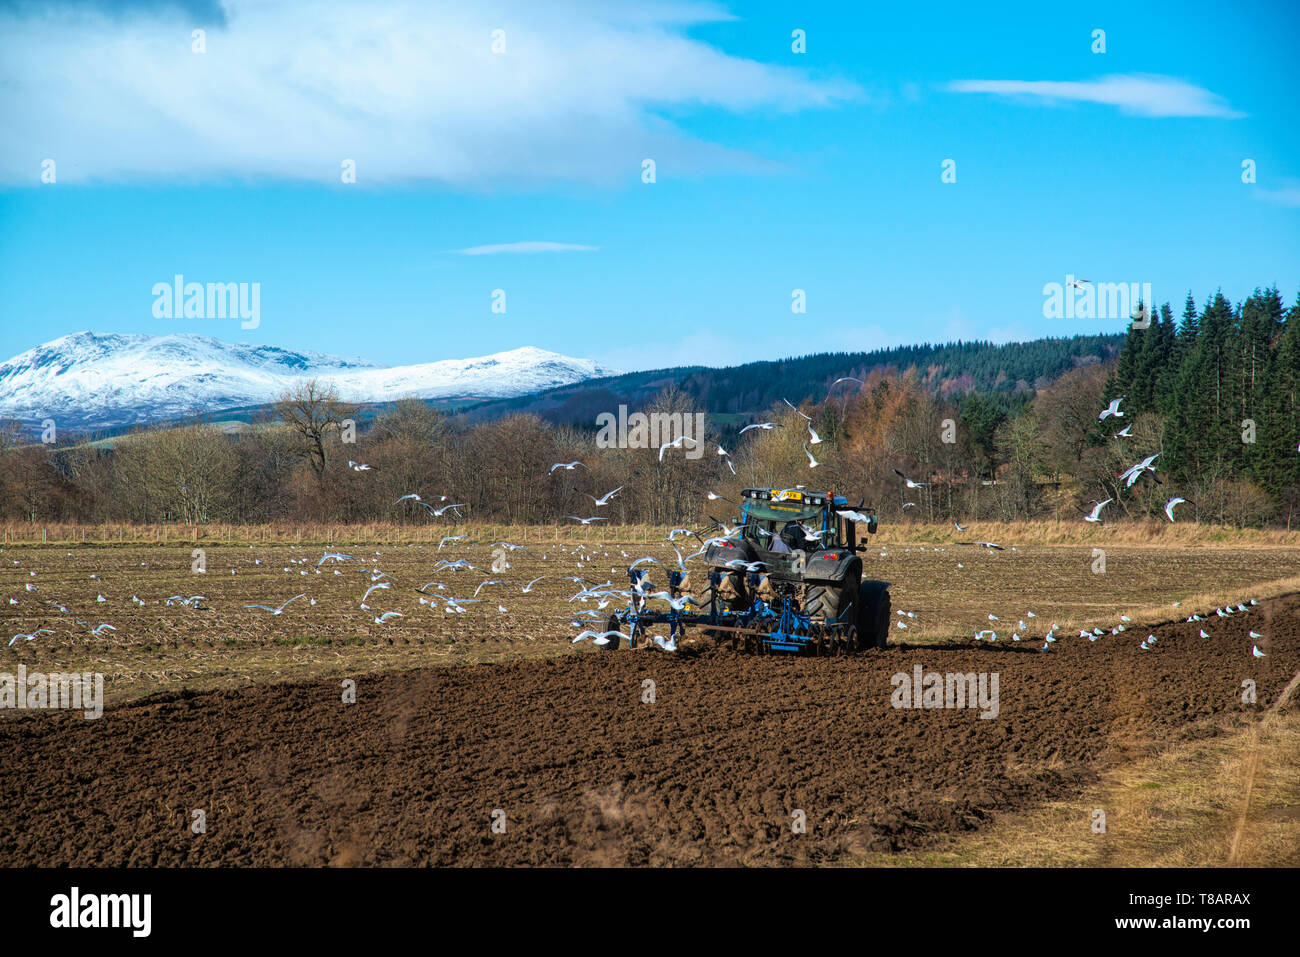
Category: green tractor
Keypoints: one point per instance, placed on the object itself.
(795, 555)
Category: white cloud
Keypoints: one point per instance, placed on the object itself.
(531, 246)
(409, 90)
(1288, 195)
(1139, 94)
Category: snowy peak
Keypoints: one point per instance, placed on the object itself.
(98, 380)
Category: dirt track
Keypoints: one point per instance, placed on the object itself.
(587, 774)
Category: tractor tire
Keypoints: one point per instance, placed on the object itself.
(873, 615)
(827, 601)
(611, 624)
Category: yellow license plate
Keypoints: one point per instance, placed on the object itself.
(783, 495)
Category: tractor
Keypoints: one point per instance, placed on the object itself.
(787, 579)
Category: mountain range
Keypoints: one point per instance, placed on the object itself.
(91, 380)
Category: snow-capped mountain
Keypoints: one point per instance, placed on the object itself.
(95, 380)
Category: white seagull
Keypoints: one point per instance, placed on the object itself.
(276, 611)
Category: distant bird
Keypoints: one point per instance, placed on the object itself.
(1123, 433)
(381, 619)
(1169, 506)
(675, 443)
(359, 466)
(669, 644)
(1204, 633)
(812, 462)
(1095, 514)
(1079, 283)
(1254, 650)
(1112, 409)
(485, 584)
(722, 451)
(437, 512)
(99, 629)
(815, 438)
(1255, 634)
(907, 505)
(959, 527)
(853, 516)
(846, 378)
(766, 426)
(908, 482)
(334, 557)
(529, 586)
(449, 538)
(276, 611)
(587, 521)
(411, 496)
(30, 636)
(990, 545)
(713, 497)
(567, 465)
(604, 499)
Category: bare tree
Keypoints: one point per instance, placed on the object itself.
(312, 411)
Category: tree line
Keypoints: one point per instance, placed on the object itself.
(1216, 396)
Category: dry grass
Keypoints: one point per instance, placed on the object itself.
(1191, 806)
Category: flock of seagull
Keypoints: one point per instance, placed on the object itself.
(377, 580)
(1094, 633)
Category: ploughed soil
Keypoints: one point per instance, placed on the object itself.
(575, 768)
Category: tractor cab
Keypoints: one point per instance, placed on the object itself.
(777, 521)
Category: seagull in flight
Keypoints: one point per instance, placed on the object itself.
(1112, 409)
(846, 378)
(449, 538)
(984, 545)
(853, 516)
(1079, 283)
(1095, 514)
(1169, 505)
(1134, 473)
(529, 586)
(276, 611)
(360, 466)
(409, 496)
(675, 443)
(587, 521)
(908, 482)
(381, 619)
(567, 465)
(604, 499)
(812, 462)
(334, 557)
(959, 527)
(796, 408)
(29, 637)
(766, 426)
(367, 594)
(1124, 433)
(713, 498)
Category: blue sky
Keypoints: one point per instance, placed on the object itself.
(775, 170)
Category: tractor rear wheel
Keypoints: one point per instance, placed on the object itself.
(828, 601)
(611, 624)
(873, 615)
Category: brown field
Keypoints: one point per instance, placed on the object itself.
(239, 712)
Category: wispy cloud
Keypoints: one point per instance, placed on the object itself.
(409, 90)
(1288, 195)
(531, 246)
(1138, 94)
